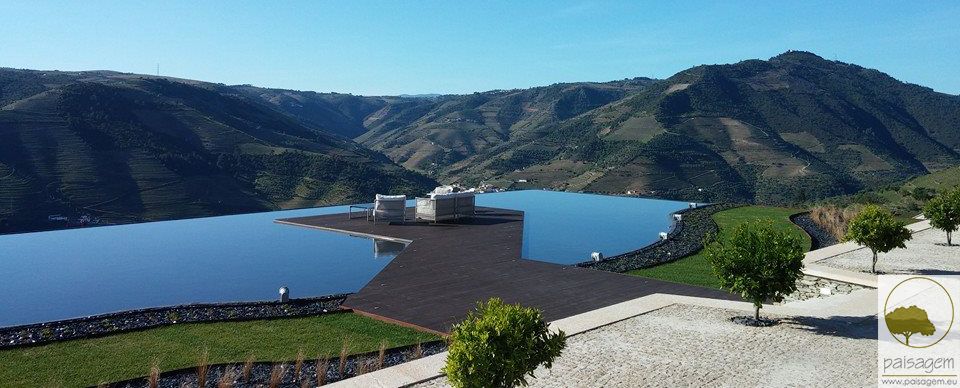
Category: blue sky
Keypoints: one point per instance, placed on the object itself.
(393, 47)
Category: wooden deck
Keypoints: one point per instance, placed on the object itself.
(447, 268)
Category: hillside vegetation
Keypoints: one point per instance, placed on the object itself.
(789, 129)
(126, 148)
(786, 130)
(792, 129)
(905, 200)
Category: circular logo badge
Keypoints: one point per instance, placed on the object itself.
(918, 312)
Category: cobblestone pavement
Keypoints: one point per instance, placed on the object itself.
(683, 345)
(926, 253)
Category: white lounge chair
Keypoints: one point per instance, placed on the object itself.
(389, 208)
(446, 206)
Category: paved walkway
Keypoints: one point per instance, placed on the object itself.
(671, 340)
(926, 253)
(447, 268)
(816, 263)
(625, 345)
(694, 346)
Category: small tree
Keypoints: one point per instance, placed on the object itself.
(875, 228)
(908, 321)
(758, 262)
(499, 344)
(943, 211)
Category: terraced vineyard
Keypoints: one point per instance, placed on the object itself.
(116, 149)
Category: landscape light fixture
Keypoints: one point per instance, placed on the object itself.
(284, 294)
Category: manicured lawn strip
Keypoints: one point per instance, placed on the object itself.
(696, 269)
(693, 270)
(124, 356)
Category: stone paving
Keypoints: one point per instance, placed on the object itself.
(682, 345)
(926, 253)
(812, 287)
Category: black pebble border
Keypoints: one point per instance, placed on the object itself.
(685, 239)
(261, 372)
(132, 320)
(819, 237)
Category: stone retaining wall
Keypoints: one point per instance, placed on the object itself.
(812, 287)
(685, 239)
(131, 320)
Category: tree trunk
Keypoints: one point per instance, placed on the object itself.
(949, 243)
(906, 338)
(873, 269)
(756, 313)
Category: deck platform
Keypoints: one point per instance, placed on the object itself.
(448, 267)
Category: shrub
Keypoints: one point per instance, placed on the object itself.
(943, 211)
(758, 262)
(875, 228)
(834, 219)
(203, 366)
(323, 364)
(498, 345)
(922, 193)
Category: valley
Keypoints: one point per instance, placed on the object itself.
(118, 148)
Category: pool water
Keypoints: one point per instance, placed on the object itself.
(71, 273)
(565, 228)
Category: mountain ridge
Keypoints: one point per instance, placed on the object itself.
(790, 128)
(793, 127)
(122, 148)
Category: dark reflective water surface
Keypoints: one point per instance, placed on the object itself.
(64, 274)
(565, 228)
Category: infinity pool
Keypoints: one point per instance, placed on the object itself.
(565, 228)
(71, 273)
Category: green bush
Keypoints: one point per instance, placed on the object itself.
(922, 193)
(758, 262)
(499, 344)
(943, 211)
(877, 229)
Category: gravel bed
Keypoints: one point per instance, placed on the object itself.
(690, 346)
(261, 373)
(104, 324)
(685, 239)
(926, 253)
(819, 237)
(812, 287)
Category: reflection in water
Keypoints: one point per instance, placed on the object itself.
(80, 272)
(565, 228)
(386, 249)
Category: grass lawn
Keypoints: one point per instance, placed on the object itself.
(696, 269)
(117, 357)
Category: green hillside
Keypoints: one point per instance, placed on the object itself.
(434, 134)
(795, 128)
(905, 199)
(788, 129)
(126, 149)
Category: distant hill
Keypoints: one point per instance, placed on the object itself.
(428, 96)
(128, 148)
(793, 128)
(433, 134)
(787, 129)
